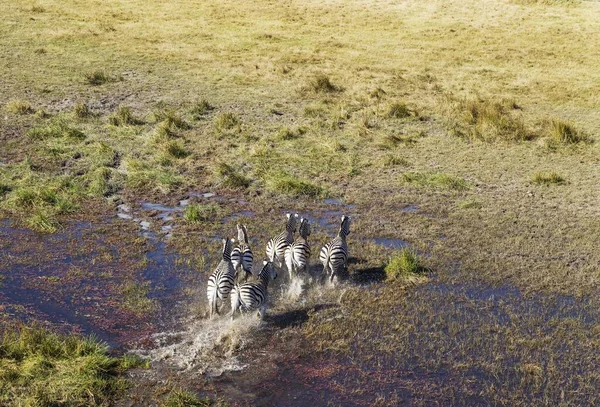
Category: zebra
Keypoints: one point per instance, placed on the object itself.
(253, 295)
(277, 245)
(241, 256)
(221, 281)
(334, 255)
(297, 255)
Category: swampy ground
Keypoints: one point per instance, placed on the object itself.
(133, 135)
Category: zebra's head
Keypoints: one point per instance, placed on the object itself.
(304, 228)
(242, 233)
(290, 226)
(227, 245)
(269, 269)
(345, 226)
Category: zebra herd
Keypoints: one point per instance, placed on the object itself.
(233, 275)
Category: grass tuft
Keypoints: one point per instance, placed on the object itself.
(200, 109)
(123, 117)
(322, 84)
(480, 119)
(20, 107)
(41, 368)
(196, 213)
(231, 178)
(398, 110)
(404, 264)
(285, 133)
(82, 110)
(171, 119)
(227, 123)
(436, 180)
(281, 182)
(565, 133)
(548, 178)
(98, 77)
(394, 161)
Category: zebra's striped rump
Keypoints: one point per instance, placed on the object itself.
(334, 255)
(297, 255)
(242, 256)
(253, 295)
(277, 245)
(221, 281)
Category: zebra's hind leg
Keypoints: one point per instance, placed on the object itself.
(261, 312)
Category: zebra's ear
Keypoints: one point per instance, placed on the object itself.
(265, 262)
(296, 215)
(232, 240)
(288, 215)
(224, 241)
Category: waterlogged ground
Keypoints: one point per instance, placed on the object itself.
(131, 280)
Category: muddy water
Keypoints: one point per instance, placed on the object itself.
(73, 280)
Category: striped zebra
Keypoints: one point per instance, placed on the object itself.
(297, 255)
(334, 255)
(221, 281)
(253, 295)
(277, 245)
(241, 256)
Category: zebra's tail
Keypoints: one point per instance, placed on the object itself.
(235, 300)
(212, 304)
(289, 260)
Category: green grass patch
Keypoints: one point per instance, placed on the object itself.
(41, 368)
(436, 180)
(150, 176)
(57, 128)
(548, 178)
(470, 204)
(171, 119)
(20, 107)
(196, 213)
(183, 398)
(280, 182)
(135, 297)
(405, 264)
(395, 161)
